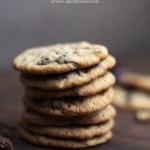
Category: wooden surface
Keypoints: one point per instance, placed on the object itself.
(128, 134)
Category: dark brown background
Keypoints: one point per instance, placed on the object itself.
(122, 25)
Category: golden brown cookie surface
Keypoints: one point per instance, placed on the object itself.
(60, 58)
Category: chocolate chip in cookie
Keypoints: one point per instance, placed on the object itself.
(44, 61)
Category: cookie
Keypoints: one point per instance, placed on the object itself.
(94, 87)
(135, 80)
(140, 100)
(143, 115)
(60, 58)
(132, 100)
(68, 80)
(102, 115)
(63, 143)
(71, 132)
(120, 98)
(70, 106)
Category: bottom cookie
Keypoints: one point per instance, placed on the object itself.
(61, 143)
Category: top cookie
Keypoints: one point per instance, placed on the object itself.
(60, 58)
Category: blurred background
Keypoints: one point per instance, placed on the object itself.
(122, 25)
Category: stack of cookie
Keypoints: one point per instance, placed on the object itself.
(68, 92)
